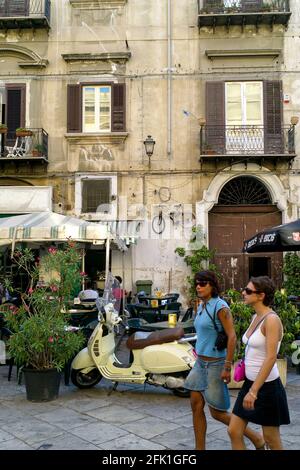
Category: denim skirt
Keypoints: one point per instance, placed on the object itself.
(270, 408)
(205, 377)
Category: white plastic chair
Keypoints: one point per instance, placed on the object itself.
(21, 147)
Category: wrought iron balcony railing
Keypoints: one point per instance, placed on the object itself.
(31, 144)
(24, 14)
(243, 12)
(247, 140)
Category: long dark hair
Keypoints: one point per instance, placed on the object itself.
(212, 278)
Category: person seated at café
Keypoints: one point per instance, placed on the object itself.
(89, 293)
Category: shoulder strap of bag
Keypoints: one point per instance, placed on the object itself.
(213, 317)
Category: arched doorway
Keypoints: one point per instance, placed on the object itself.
(244, 207)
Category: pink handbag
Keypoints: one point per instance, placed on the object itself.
(239, 373)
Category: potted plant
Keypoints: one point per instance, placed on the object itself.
(38, 150)
(40, 342)
(23, 132)
(3, 128)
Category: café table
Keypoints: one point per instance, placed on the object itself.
(155, 301)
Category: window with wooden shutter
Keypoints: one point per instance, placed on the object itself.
(96, 193)
(215, 117)
(273, 117)
(74, 105)
(15, 109)
(96, 108)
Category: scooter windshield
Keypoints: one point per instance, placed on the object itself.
(111, 293)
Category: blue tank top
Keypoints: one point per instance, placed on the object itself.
(206, 333)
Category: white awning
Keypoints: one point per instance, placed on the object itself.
(49, 226)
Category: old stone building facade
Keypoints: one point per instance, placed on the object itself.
(214, 82)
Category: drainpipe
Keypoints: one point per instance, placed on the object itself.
(169, 79)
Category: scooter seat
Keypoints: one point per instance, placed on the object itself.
(157, 337)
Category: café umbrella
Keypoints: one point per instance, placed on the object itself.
(284, 237)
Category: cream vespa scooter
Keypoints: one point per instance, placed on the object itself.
(161, 358)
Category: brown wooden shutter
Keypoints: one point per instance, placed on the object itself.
(15, 110)
(273, 117)
(252, 5)
(215, 117)
(17, 7)
(74, 106)
(118, 113)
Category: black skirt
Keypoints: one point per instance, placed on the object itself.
(270, 407)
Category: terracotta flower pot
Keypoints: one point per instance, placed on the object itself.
(23, 133)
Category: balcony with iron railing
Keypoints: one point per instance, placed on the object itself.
(247, 143)
(243, 12)
(28, 145)
(21, 14)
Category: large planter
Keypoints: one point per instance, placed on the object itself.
(282, 367)
(3, 130)
(41, 385)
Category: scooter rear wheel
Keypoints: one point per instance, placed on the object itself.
(81, 380)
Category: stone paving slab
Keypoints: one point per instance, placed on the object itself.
(149, 427)
(31, 430)
(14, 444)
(66, 442)
(116, 414)
(132, 417)
(100, 432)
(131, 442)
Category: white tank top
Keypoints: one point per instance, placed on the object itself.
(255, 354)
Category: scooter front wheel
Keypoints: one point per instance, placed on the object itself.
(81, 380)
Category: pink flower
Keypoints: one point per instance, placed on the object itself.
(12, 307)
(30, 290)
(52, 250)
(51, 340)
(54, 288)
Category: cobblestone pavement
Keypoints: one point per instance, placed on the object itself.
(130, 418)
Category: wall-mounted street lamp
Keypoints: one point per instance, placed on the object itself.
(149, 146)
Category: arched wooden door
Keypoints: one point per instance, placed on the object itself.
(244, 208)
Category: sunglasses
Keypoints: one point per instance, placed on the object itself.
(201, 283)
(250, 291)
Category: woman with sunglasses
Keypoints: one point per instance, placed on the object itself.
(212, 371)
(262, 399)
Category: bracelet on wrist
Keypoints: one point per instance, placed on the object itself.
(253, 395)
(229, 362)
